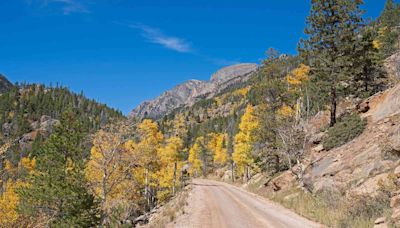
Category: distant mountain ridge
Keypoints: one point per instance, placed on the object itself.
(187, 93)
(5, 84)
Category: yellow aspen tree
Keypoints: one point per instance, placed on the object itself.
(108, 170)
(217, 145)
(9, 203)
(150, 139)
(194, 157)
(179, 126)
(296, 80)
(9, 199)
(299, 75)
(170, 156)
(244, 140)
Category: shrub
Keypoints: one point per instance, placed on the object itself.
(348, 128)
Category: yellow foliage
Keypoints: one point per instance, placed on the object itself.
(165, 177)
(8, 167)
(170, 152)
(28, 164)
(285, 111)
(170, 157)
(179, 126)
(9, 201)
(244, 140)
(11, 115)
(219, 101)
(150, 141)
(377, 44)
(299, 75)
(217, 145)
(242, 152)
(194, 157)
(111, 160)
(382, 31)
(242, 92)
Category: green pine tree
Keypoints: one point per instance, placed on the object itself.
(389, 23)
(332, 28)
(370, 75)
(58, 187)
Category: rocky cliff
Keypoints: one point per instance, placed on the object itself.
(187, 93)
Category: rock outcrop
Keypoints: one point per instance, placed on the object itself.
(190, 92)
(392, 65)
(43, 127)
(358, 166)
(362, 165)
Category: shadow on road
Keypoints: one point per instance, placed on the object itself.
(208, 185)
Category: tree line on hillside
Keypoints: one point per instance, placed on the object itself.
(133, 166)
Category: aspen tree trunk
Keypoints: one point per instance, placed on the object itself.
(246, 174)
(233, 172)
(182, 180)
(174, 185)
(146, 187)
(104, 219)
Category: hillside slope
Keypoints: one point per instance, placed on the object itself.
(5, 85)
(30, 112)
(367, 166)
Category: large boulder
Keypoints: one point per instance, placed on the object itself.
(325, 185)
(47, 125)
(26, 140)
(395, 202)
(317, 138)
(392, 65)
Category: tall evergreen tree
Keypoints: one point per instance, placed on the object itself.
(58, 188)
(389, 22)
(370, 76)
(332, 28)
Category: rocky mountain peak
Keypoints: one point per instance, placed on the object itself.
(230, 72)
(187, 93)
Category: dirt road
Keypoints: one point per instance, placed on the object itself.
(215, 204)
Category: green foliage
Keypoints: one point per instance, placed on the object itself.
(57, 189)
(348, 128)
(27, 103)
(388, 24)
(329, 49)
(370, 77)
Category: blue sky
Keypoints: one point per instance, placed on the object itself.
(122, 52)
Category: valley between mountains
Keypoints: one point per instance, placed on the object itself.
(301, 140)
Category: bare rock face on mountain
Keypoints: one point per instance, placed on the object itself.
(169, 100)
(392, 65)
(186, 94)
(5, 85)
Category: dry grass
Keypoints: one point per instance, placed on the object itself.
(330, 208)
(333, 209)
(169, 212)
